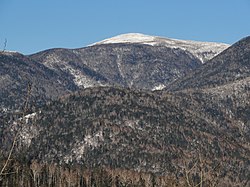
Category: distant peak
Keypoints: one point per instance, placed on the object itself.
(202, 50)
(128, 38)
(9, 53)
(133, 35)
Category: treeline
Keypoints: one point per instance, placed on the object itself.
(35, 174)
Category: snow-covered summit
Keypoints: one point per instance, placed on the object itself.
(9, 52)
(202, 50)
(129, 38)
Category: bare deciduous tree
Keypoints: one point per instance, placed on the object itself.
(8, 159)
(5, 44)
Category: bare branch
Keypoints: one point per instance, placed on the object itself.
(16, 135)
(5, 44)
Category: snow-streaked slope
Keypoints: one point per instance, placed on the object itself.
(202, 50)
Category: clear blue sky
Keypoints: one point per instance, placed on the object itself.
(34, 25)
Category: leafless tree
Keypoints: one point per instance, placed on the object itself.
(5, 44)
(10, 154)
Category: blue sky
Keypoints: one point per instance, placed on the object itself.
(33, 25)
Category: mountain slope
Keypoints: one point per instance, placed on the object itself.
(66, 61)
(17, 72)
(202, 50)
(128, 65)
(146, 132)
(231, 65)
(130, 60)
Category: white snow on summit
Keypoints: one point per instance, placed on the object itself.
(129, 38)
(9, 53)
(202, 50)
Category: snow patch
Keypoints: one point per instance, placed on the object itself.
(159, 87)
(78, 150)
(9, 53)
(94, 140)
(130, 124)
(119, 65)
(50, 60)
(4, 109)
(26, 137)
(79, 78)
(29, 116)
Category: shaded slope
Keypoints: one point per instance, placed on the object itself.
(66, 62)
(18, 71)
(129, 65)
(231, 65)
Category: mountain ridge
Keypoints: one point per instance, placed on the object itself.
(202, 50)
(230, 65)
(122, 64)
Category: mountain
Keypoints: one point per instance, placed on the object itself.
(204, 51)
(130, 60)
(231, 65)
(220, 90)
(136, 64)
(127, 65)
(18, 72)
(116, 115)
